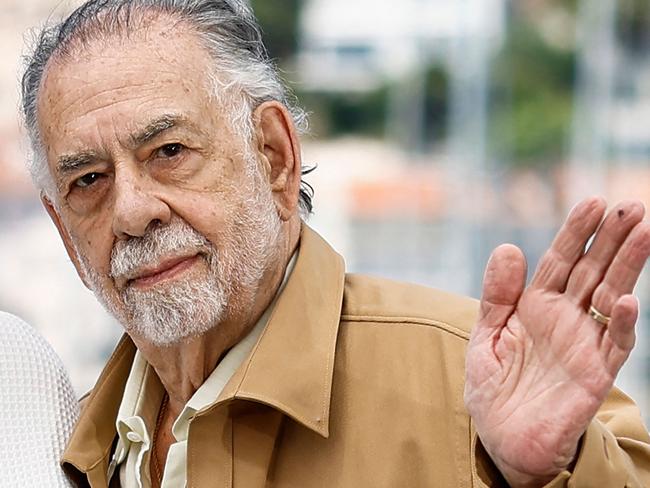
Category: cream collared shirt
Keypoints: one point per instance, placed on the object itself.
(138, 412)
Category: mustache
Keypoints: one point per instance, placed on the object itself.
(158, 242)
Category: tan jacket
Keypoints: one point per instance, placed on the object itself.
(356, 382)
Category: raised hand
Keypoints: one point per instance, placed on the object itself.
(538, 364)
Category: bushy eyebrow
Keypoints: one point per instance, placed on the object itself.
(70, 163)
(154, 128)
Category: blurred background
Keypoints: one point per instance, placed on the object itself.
(439, 128)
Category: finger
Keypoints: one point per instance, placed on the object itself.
(569, 244)
(503, 284)
(620, 332)
(622, 275)
(591, 268)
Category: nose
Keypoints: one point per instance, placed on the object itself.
(137, 205)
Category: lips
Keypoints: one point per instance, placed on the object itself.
(165, 270)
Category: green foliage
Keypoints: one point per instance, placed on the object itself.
(279, 20)
(436, 104)
(531, 86)
(335, 114)
(339, 113)
(633, 25)
(534, 131)
(531, 98)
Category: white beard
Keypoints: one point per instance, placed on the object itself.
(166, 314)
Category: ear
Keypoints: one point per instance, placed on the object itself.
(279, 149)
(65, 237)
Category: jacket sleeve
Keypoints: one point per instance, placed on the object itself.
(614, 452)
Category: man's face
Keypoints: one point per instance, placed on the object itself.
(160, 201)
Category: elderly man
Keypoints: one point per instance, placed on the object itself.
(168, 156)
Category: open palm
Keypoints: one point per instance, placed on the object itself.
(538, 365)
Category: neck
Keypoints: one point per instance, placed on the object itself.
(184, 367)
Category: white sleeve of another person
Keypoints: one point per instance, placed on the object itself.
(38, 408)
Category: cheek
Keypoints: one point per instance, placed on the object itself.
(204, 211)
(231, 169)
(198, 181)
(95, 245)
(209, 213)
(217, 176)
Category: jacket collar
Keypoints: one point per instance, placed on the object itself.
(92, 438)
(290, 367)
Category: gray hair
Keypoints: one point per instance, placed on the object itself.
(227, 28)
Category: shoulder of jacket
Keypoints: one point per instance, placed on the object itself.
(371, 299)
(83, 400)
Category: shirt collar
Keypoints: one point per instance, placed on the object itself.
(143, 391)
(139, 407)
(290, 367)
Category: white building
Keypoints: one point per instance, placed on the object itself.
(355, 44)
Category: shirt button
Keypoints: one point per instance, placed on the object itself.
(133, 437)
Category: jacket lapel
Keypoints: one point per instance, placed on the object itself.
(89, 447)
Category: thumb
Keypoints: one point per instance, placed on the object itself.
(503, 284)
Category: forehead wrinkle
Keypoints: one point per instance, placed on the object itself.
(130, 60)
(107, 103)
(63, 75)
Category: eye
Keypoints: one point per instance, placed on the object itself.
(87, 180)
(170, 150)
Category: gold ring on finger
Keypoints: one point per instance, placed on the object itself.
(598, 316)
